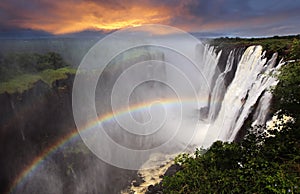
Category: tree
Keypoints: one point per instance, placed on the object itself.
(260, 163)
(50, 60)
(295, 50)
(14, 64)
(287, 91)
(251, 166)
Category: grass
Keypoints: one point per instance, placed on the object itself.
(50, 75)
(19, 83)
(24, 82)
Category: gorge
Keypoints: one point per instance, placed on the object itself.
(42, 152)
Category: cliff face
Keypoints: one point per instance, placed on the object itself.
(31, 121)
(37, 106)
(236, 54)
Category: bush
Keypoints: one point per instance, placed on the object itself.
(258, 164)
(16, 64)
(245, 167)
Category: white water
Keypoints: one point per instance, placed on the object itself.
(225, 111)
(230, 107)
(261, 114)
(207, 59)
(252, 78)
(226, 108)
(219, 89)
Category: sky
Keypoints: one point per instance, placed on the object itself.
(236, 18)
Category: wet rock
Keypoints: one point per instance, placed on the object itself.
(172, 170)
(138, 181)
(155, 189)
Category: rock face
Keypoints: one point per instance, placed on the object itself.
(158, 188)
(30, 123)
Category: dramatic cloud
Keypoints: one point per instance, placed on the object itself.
(234, 17)
(239, 17)
(66, 16)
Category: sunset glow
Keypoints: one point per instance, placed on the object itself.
(231, 17)
(91, 16)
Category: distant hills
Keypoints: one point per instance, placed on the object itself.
(39, 34)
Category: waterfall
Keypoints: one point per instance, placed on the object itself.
(262, 111)
(228, 107)
(219, 88)
(224, 108)
(207, 58)
(252, 80)
(229, 90)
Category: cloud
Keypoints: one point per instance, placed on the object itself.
(232, 16)
(239, 18)
(66, 16)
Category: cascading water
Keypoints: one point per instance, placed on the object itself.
(261, 114)
(207, 59)
(251, 80)
(228, 108)
(219, 89)
(214, 108)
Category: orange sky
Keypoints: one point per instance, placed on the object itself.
(217, 16)
(88, 15)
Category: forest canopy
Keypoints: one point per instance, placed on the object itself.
(15, 64)
(20, 71)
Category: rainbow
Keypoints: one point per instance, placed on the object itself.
(63, 141)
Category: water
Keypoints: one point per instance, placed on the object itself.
(176, 104)
(228, 108)
(252, 78)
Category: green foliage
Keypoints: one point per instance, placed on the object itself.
(50, 60)
(26, 81)
(284, 46)
(264, 162)
(16, 64)
(295, 50)
(287, 92)
(50, 75)
(246, 167)
(19, 83)
(19, 71)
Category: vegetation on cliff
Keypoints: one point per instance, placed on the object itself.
(284, 45)
(19, 71)
(261, 163)
(265, 161)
